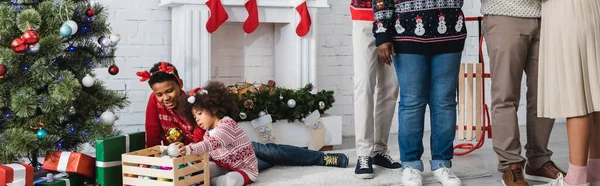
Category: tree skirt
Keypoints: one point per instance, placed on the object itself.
(330, 176)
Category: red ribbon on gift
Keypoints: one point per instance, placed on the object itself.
(7, 174)
(71, 162)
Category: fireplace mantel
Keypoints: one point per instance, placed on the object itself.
(295, 57)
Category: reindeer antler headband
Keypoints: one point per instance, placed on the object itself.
(192, 99)
(145, 75)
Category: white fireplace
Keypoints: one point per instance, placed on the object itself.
(295, 57)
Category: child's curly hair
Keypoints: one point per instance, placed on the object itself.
(215, 98)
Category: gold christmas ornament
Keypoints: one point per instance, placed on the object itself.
(174, 135)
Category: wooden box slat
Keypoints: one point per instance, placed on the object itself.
(148, 172)
(144, 182)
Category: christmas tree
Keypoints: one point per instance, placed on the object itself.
(49, 98)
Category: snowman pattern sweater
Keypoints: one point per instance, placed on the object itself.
(426, 27)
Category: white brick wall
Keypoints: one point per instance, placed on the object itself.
(145, 29)
(254, 61)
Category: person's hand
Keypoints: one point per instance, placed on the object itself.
(181, 148)
(385, 52)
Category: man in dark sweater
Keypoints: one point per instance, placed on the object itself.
(424, 39)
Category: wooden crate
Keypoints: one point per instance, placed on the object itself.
(151, 156)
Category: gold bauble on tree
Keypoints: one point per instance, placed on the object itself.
(174, 135)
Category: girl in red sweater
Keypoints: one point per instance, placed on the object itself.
(233, 161)
(162, 114)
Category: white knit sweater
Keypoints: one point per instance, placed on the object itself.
(514, 8)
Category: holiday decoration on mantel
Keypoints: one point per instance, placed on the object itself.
(305, 21)
(256, 100)
(47, 48)
(251, 22)
(218, 15)
(264, 129)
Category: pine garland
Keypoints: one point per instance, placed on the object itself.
(252, 99)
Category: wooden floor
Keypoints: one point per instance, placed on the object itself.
(485, 158)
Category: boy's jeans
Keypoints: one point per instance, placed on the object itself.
(427, 80)
(270, 154)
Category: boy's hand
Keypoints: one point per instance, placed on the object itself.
(385, 52)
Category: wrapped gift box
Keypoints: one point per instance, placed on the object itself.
(62, 179)
(16, 175)
(71, 162)
(108, 156)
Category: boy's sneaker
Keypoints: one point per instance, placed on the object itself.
(384, 160)
(412, 177)
(364, 168)
(335, 160)
(446, 177)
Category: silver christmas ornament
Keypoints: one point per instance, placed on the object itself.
(243, 115)
(115, 38)
(34, 47)
(291, 103)
(72, 111)
(321, 105)
(105, 42)
(173, 151)
(87, 81)
(108, 117)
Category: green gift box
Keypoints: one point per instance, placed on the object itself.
(62, 179)
(108, 156)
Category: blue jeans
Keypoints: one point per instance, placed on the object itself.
(270, 154)
(427, 80)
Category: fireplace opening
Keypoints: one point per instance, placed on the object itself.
(237, 56)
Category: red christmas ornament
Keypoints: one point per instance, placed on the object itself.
(113, 70)
(31, 37)
(90, 12)
(18, 45)
(3, 70)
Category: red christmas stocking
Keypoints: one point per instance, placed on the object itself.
(251, 22)
(304, 25)
(218, 15)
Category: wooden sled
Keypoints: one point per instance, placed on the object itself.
(473, 121)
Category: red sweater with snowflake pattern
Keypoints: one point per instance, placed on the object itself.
(229, 147)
